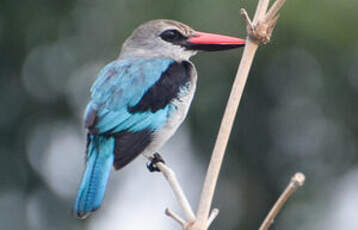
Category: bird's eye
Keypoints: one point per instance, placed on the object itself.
(171, 35)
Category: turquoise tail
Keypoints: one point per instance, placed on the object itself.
(94, 180)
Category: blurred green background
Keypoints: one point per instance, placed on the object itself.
(298, 113)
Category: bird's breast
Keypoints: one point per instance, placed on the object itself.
(179, 107)
(182, 102)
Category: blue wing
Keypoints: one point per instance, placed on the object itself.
(120, 86)
(131, 99)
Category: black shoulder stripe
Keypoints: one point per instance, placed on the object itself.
(165, 89)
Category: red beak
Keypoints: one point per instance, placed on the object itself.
(213, 42)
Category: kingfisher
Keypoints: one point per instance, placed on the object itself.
(139, 100)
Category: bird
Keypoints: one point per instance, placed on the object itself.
(139, 100)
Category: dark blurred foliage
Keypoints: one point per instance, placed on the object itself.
(298, 112)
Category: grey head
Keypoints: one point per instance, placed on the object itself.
(163, 38)
(159, 38)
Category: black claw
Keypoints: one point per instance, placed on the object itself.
(151, 165)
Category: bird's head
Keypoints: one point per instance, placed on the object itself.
(174, 40)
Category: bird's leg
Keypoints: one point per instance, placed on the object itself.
(151, 165)
(156, 163)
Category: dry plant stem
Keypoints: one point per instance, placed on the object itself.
(223, 137)
(296, 181)
(214, 213)
(261, 10)
(274, 9)
(174, 216)
(178, 191)
(230, 111)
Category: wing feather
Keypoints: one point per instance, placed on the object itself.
(120, 85)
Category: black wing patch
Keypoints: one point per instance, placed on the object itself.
(129, 145)
(165, 89)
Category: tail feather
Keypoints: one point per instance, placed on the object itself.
(99, 164)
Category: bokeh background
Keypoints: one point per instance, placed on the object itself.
(298, 113)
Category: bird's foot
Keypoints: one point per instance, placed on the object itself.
(151, 165)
